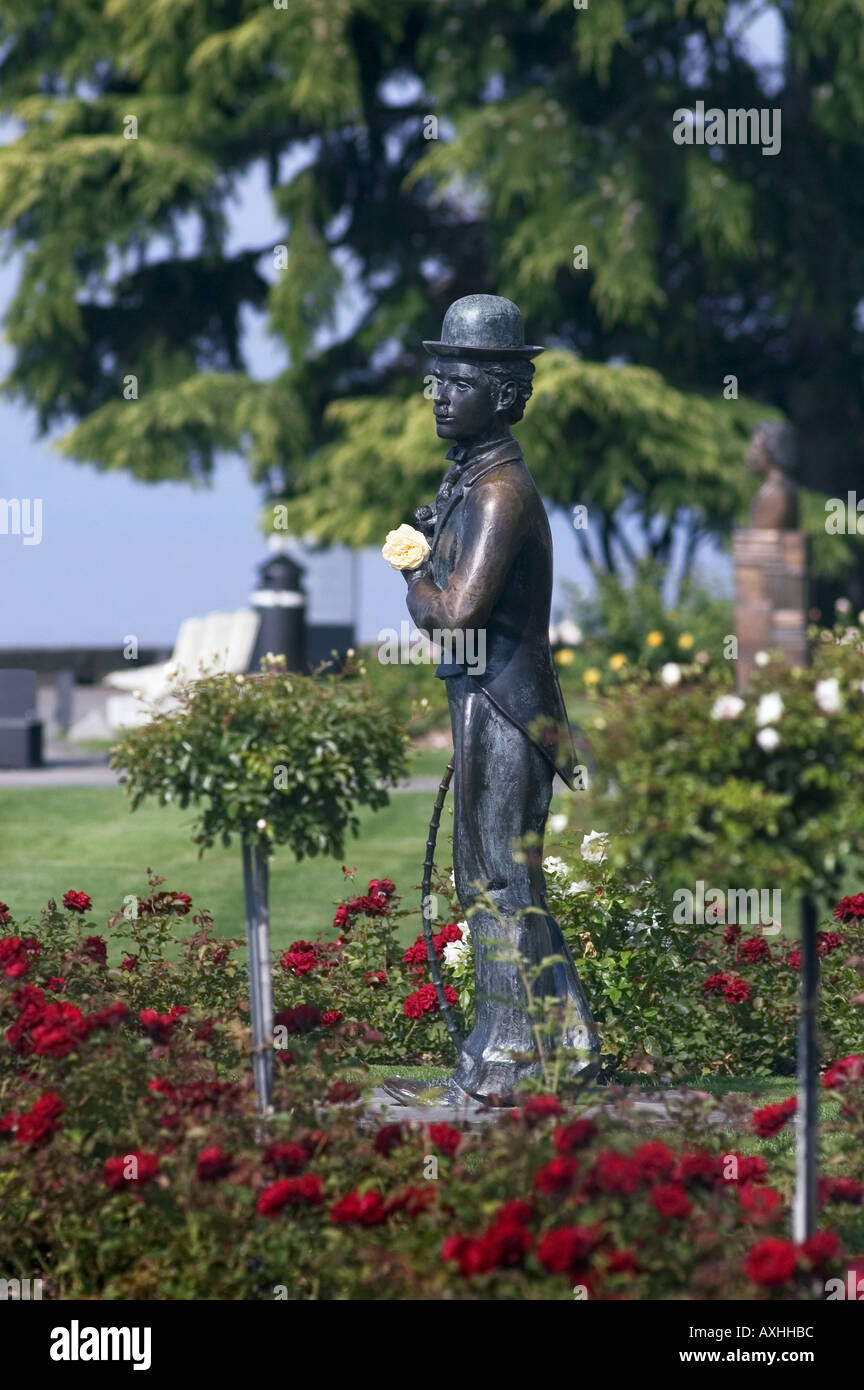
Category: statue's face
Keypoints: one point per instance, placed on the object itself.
(464, 400)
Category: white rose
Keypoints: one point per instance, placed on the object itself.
(581, 885)
(558, 823)
(769, 709)
(594, 846)
(569, 633)
(828, 696)
(405, 548)
(554, 866)
(727, 707)
(670, 674)
(761, 658)
(768, 739)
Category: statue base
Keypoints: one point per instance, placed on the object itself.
(770, 597)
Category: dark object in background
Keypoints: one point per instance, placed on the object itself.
(281, 600)
(20, 730)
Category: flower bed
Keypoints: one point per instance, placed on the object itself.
(132, 1163)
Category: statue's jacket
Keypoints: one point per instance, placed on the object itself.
(490, 568)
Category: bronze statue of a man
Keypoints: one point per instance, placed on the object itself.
(771, 456)
(489, 572)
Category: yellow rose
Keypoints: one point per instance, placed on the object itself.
(685, 641)
(618, 661)
(654, 639)
(591, 676)
(565, 657)
(405, 548)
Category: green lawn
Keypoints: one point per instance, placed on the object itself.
(86, 838)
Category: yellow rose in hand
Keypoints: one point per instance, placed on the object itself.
(405, 548)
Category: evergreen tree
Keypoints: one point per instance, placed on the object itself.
(418, 150)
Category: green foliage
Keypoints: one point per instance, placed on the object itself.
(134, 1165)
(555, 131)
(276, 759)
(699, 797)
(644, 970)
(632, 620)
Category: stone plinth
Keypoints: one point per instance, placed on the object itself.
(770, 596)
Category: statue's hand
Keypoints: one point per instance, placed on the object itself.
(425, 518)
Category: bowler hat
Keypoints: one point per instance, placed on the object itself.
(482, 326)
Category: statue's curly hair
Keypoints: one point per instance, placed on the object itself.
(518, 370)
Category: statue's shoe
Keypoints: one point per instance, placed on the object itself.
(430, 1093)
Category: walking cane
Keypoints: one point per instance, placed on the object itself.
(426, 913)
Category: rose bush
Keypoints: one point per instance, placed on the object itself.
(133, 1164)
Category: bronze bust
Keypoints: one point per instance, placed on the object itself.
(490, 568)
(771, 456)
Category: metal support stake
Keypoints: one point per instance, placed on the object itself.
(805, 1205)
(255, 883)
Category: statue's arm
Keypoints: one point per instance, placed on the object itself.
(495, 525)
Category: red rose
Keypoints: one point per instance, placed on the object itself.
(505, 1245)
(133, 1169)
(621, 1262)
(848, 1069)
(343, 1093)
(612, 1172)
(42, 1120)
(56, 984)
(731, 934)
(655, 1160)
(714, 983)
(755, 948)
(76, 902)
(286, 1158)
(180, 903)
(213, 1164)
(331, 1017)
(305, 1191)
(841, 1190)
(736, 990)
(128, 962)
(670, 1199)
(106, 1018)
(95, 949)
(568, 1138)
(794, 959)
(412, 1200)
(60, 1030)
(302, 1019)
(388, 1138)
(771, 1118)
(562, 1251)
(822, 1247)
(850, 909)
(828, 941)
(5, 914)
(540, 1108)
(771, 1262)
(760, 1202)
(557, 1176)
(299, 962)
(445, 1138)
(205, 1030)
(375, 978)
(16, 953)
(359, 1209)
(160, 1027)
